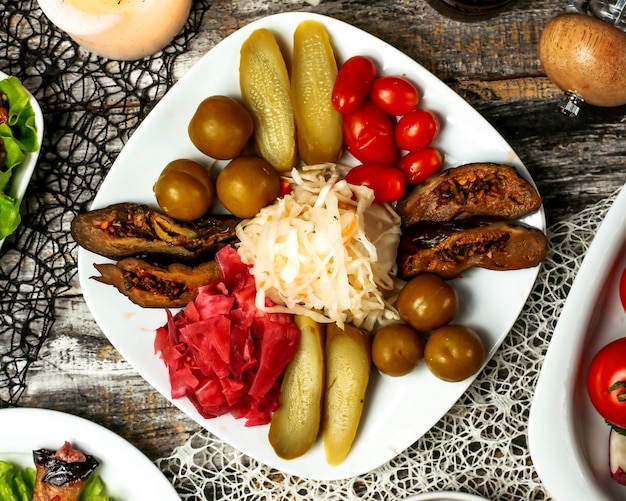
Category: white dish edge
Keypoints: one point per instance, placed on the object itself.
(554, 440)
(128, 474)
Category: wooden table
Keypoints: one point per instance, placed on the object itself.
(493, 64)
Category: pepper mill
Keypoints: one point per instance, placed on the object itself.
(583, 52)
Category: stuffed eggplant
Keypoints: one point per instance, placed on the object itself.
(61, 475)
(472, 190)
(156, 286)
(452, 247)
(132, 229)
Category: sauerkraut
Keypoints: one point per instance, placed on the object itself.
(324, 250)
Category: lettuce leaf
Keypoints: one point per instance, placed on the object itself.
(95, 490)
(12, 148)
(17, 136)
(21, 114)
(16, 484)
(9, 215)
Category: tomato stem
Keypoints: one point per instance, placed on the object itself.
(621, 396)
(617, 429)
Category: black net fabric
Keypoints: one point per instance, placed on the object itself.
(91, 106)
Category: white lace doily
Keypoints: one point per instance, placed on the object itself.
(480, 446)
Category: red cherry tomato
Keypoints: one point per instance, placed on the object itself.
(368, 134)
(606, 382)
(386, 181)
(417, 166)
(285, 187)
(416, 130)
(353, 83)
(622, 289)
(394, 95)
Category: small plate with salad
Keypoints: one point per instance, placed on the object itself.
(21, 132)
(126, 474)
(568, 438)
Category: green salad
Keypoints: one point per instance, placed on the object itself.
(18, 135)
(17, 484)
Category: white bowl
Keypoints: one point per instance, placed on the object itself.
(568, 439)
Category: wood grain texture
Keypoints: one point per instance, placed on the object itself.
(78, 371)
(493, 64)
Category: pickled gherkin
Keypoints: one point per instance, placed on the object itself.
(295, 425)
(266, 92)
(348, 361)
(314, 70)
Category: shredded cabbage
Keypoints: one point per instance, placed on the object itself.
(324, 250)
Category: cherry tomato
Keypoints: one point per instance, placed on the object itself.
(353, 83)
(220, 127)
(419, 165)
(606, 382)
(622, 289)
(394, 95)
(454, 352)
(184, 190)
(427, 302)
(397, 349)
(285, 188)
(246, 185)
(416, 129)
(386, 181)
(368, 134)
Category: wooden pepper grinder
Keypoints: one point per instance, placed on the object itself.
(583, 51)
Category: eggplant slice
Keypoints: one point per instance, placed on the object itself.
(471, 190)
(452, 247)
(131, 229)
(157, 286)
(63, 473)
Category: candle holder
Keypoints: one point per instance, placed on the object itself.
(119, 29)
(469, 10)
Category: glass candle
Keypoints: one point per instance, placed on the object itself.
(469, 10)
(119, 29)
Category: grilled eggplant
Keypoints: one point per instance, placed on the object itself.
(156, 286)
(62, 475)
(131, 229)
(452, 247)
(478, 189)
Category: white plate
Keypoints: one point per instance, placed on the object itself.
(126, 472)
(398, 410)
(445, 496)
(23, 172)
(568, 439)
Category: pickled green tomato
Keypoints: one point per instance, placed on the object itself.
(427, 302)
(221, 127)
(397, 349)
(184, 190)
(454, 352)
(246, 185)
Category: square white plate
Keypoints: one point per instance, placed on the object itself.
(398, 411)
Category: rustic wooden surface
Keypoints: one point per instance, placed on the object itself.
(493, 64)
